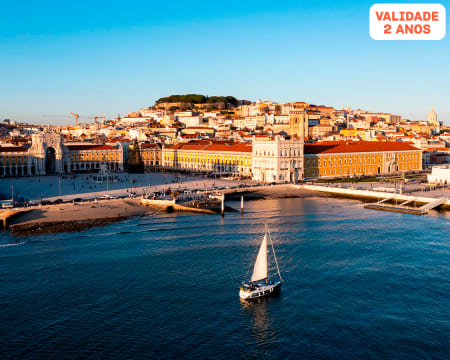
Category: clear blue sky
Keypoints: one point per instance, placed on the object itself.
(109, 57)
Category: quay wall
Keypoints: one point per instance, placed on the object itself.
(167, 205)
(163, 204)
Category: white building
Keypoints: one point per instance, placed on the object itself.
(190, 121)
(277, 160)
(439, 175)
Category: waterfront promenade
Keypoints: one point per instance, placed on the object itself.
(43, 187)
(92, 208)
(83, 186)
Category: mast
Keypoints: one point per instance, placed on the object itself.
(273, 250)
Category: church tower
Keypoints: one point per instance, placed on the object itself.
(432, 118)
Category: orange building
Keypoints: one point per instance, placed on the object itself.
(344, 159)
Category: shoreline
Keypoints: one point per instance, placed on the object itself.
(75, 217)
(53, 227)
(83, 216)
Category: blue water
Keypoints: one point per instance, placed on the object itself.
(359, 284)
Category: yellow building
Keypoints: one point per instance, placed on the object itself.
(422, 129)
(355, 133)
(14, 161)
(210, 156)
(344, 159)
(150, 154)
(89, 157)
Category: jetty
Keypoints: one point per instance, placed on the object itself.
(386, 201)
(6, 215)
(190, 201)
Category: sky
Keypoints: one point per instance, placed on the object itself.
(103, 58)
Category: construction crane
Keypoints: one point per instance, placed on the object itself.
(96, 126)
(98, 117)
(76, 118)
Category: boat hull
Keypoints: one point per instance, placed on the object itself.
(260, 292)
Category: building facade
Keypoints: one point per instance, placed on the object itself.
(439, 175)
(299, 124)
(151, 155)
(277, 160)
(14, 161)
(219, 158)
(49, 155)
(346, 159)
(89, 157)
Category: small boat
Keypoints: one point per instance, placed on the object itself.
(261, 285)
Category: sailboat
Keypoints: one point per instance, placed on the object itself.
(261, 285)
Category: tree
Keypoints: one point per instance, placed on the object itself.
(198, 99)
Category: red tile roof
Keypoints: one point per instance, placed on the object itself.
(334, 147)
(13, 149)
(212, 145)
(90, 147)
(238, 147)
(149, 146)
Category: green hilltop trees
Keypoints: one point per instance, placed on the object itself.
(198, 99)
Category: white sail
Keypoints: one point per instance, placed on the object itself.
(260, 268)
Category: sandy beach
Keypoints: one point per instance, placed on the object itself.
(76, 217)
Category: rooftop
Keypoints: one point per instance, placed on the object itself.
(334, 147)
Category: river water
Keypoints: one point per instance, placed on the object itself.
(357, 284)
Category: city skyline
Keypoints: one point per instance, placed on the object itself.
(105, 60)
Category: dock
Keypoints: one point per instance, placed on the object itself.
(203, 207)
(5, 215)
(387, 201)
